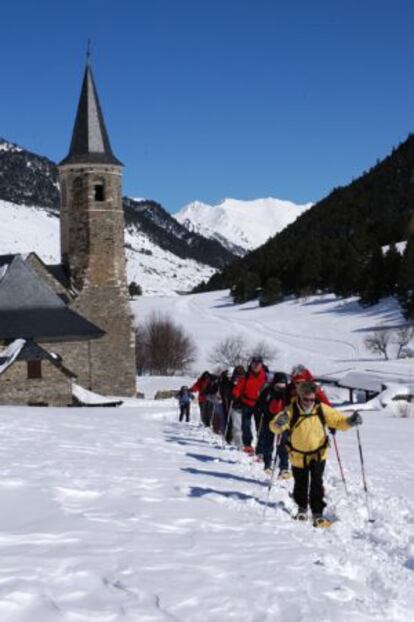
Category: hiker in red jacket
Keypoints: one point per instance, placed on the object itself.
(201, 387)
(246, 392)
(302, 374)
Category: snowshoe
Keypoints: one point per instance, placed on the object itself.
(321, 522)
(268, 472)
(301, 515)
(285, 474)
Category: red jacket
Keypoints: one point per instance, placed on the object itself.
(306, 376)
(199, 387)
(248, 387)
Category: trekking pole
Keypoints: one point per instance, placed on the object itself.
(340, 464)
(370, 517)
(270, 486)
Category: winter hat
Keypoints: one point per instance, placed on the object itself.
(239, 370)
(302, 376)
(279, 377)
(257, 359)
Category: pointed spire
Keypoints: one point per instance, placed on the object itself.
(90, 142)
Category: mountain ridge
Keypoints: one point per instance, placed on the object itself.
(240, 225)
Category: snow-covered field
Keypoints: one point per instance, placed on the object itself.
(125, 515)
(323, 332)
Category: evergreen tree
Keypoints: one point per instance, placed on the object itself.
(271, 292)
(246, 287)
(372, 287)
(405, 286)
(392, 263)
(349, 272)
(134, 289)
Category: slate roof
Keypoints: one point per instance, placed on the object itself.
(21, 350)
(90, 141)
(29, 308)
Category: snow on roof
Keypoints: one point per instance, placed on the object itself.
(361, 380)
(3, 270)
(84, 396)
(9, 355)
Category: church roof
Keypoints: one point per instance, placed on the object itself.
(90, 141)
(29, 308)
(28, 350)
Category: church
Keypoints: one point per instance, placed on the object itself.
(72, 321)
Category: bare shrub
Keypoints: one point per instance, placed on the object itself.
(402, 337)
(233, 351)
(229, 352)
(378, 342)
(263, 349)
(164, 347)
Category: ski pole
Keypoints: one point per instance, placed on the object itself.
(364, 481)
(340, 464)
(270, 486)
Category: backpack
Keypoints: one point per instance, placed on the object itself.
(297, 419)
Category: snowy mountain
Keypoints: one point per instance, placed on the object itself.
(240, 226)
(163, 256)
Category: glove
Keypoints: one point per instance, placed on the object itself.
(282, 419)
(332, 431)
(354, 419)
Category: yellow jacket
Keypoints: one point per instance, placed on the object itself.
(308, 434)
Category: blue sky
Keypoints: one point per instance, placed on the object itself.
(206, 99)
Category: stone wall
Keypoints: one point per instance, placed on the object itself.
(92, 238)
(53, 389)
(113, 369)
(76, 356)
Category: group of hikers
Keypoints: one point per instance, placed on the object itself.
(290, 415)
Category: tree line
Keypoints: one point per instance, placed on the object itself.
(337, 245)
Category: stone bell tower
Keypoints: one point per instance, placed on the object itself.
(92, 244)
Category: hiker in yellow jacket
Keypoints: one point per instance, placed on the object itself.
(306, 420)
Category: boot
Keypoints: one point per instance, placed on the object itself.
(320, 521)
(301, 514)
(284, 474)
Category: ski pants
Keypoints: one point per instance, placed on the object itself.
(218, 418)
(236, 427)
(265, 445)
(206, 413)
(248, 413)
(185, 412)
(308, 487)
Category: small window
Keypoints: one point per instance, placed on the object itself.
(34, 369)
(99, 192)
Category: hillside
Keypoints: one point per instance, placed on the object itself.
(158, 271)
(329, 246)
(238, 225)
(163, 256)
